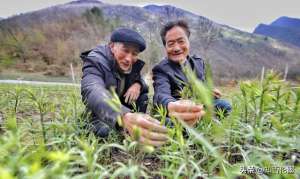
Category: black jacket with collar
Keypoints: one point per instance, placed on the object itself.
(169, 79)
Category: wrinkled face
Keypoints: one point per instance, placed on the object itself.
(125, 54)
(177, 44)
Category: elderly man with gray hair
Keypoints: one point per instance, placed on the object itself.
(116, 65)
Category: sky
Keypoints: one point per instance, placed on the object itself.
(241, 14)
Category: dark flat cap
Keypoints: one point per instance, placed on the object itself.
(128, 36)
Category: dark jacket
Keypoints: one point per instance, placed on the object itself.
(169, 79)
(99, 76)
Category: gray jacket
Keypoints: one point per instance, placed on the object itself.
(99, 76)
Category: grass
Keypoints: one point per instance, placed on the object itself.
(43, 136)
(13, 75)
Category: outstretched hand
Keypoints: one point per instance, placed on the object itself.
(186, 110)
(132, 93)
(217, 93)
(150, 130)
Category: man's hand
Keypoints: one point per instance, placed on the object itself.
(151, 131)
(186, 110)
(132, 93)
(217, 93)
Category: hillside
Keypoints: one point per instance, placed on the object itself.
(48, 40)
(292, 23)
(285, 29)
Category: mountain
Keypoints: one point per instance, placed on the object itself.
(285, 29)
(288, 22)
(48, 40)
(170, 12)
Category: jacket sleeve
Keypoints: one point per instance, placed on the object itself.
(144, 86)
(162, 88)
(95, 95)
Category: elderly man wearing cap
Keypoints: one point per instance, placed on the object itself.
(116, 65)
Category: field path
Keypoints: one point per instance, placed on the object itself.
(37, 82)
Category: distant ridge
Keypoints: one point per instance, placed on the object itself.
(285, 29)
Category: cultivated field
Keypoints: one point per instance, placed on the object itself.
(43, 135)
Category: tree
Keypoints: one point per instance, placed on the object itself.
(96, 19)
(15, 40)
(208, 33)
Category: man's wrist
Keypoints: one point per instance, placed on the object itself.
(124, 119)
(139, 84)
(126, 116)
(169, 105)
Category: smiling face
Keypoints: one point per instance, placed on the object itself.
(125, 54)
(177, 44)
